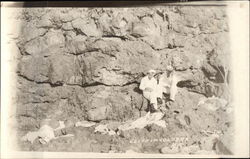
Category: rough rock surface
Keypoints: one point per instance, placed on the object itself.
(88, 62)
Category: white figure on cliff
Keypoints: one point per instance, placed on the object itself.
(168, 82)
(150, 89)
(153, 88)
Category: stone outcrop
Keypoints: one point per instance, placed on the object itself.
(90, 49)
(88, 62)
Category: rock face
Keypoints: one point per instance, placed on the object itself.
(88, 63)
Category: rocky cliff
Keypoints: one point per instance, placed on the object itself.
(86, 63)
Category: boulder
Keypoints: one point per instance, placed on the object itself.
(208, 143)
(54, 37)
(61, 70)
(40, 44)
(45, 22)
(67, 26)
(97, 114)
(87, 28)
(225, 143)
(35, 46)
(140, 30)
(30, 32)
(223, 149)
(76, 47)
(179, 60)
(35, 69)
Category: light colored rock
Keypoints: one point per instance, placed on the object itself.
(35, 46)
(40, 44)
(88, 28)
(212, 103)
(67, 26)
(225, 143)
(179, 60)
(105, 22)
(113, 125)
(76, 47)
(61, 68)
(97, 114)
(29, 32)
(104, 130)
(46, 133)
(221, 148)
(54, 37)
(45, 22)
(51, 122)
(168, 150)
(69, 35)
(34, 69)
(207, 143)
(111, 78)
(84, 124)
(140, 30)
(141, 122)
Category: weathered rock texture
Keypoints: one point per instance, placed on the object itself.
(87, 63)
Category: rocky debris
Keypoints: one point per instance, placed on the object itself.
(48, 131)
(52, 123)
(208, 143)
(225, 143)
(104, 130)
(38, 45)
(45, 133)
(148, 119)
(212, 103)
(222, 148)
(84, 124)
(87, 28)
(113, 125)
(97, 114)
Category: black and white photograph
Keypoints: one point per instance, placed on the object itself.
(126, 79)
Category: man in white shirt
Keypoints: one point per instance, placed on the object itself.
(153, 90)
(168, 82)
(150, 89)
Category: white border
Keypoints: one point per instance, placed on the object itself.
(238, 13)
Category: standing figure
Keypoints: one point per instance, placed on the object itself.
(168, 82)
(150, 90)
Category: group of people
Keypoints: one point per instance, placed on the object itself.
(154, 84)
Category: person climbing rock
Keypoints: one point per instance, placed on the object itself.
(168, 82)
(150, 90)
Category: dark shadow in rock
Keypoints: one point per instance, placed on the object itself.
(148, 128)
(187, 119)
(137, 90)
(206, 73)
(166, 97)
(176, 111)
(219, 77)
(186, 83)
(148, 108)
